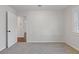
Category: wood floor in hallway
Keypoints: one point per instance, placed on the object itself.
(39, 48)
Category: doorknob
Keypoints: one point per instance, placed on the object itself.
(9, 31)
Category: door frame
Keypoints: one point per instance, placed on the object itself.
(6, 29)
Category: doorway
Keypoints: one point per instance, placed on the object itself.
(21, 29)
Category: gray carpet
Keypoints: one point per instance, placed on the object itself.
(39, 48)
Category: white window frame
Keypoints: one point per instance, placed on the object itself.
(76, 22)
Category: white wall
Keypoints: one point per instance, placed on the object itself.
(71, 37)
(3, 10)
(44, 26)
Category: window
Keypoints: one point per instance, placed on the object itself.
(76, 22)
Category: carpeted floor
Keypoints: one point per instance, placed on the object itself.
(39, 48)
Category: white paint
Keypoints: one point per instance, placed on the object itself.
(12, 27)
(71, 38)
(3, 10)
(22, 8)
(2, 29)
(44, 26)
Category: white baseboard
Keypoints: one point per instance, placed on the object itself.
(76, 48)
(45, 42)
(2, 48)
(12, 44)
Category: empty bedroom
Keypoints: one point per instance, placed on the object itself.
(39, 29)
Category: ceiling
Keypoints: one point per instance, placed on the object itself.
(23, 8)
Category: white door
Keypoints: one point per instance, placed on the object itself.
(11, 29)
